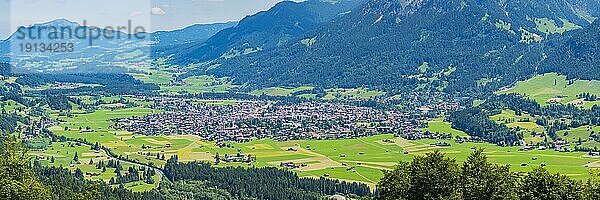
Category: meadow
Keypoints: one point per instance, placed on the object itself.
(440, 126)
(195, 84)
(330, 94)
(200, 84)
(361, 159)
(528, 127)
(351, 93)
(280, 91)
(549, 26)
(525, 122)
(552, 87)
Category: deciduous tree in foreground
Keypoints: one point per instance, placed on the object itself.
(435, 176)
(17, 180)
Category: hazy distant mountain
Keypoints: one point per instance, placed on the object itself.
(454, 45)
(62, 45)
(165, 42)
(113, 52)
(265, 30)
(193, 33)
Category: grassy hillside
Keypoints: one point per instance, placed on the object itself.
(552, 87)
(525, 122)
(440, 126)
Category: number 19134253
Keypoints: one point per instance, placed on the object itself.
(47, 47)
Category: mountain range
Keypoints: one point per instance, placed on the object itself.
(466, 46)
(459, 46)
(118, 52)
(266, 30)
(27, 47)
(165, 41)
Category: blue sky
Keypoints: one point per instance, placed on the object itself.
(152, 14)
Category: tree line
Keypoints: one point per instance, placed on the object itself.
(546, 116)
(435, 176)
(522, 104)
(261, 183)
(477, 123)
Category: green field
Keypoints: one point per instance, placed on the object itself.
(194, 85)
(353, 93)
(11, 105)
(583, 133)
(156, 77)
(440, 126)
(527, 125)
(549, 26)
(525, 122)
(509, 116)
(331, 94)
(280, 91)
(201, 84)
(542, 89)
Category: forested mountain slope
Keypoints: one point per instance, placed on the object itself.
(576, 55)
(467, 46)
(587, 9)
(266, 30)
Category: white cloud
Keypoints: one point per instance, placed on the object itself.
(158, 11)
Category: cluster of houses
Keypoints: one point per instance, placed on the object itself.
(559, 146)
(291, 165)
(260, 119)
(238, 158)
(35, 127)
(92, 174)
(418, 135)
